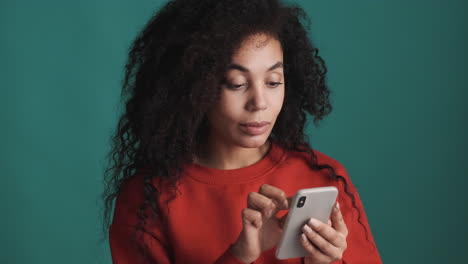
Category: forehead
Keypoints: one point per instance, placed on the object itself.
(258, 49)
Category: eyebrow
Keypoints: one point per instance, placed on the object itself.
(279, 64)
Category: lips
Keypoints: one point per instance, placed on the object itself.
(256, 124)
(255, 128)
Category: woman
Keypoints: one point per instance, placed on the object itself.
(211, 146)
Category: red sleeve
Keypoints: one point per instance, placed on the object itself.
(123, 250)
(361, 246)
(123, 245)
(158, 248)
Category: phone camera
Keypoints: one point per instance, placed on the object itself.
(301, 202)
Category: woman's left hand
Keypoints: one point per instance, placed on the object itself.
(325, 242)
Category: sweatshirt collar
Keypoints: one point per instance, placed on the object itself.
(267, 164)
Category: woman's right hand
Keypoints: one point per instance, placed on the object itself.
(262, 229)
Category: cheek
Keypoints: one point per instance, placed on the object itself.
(229, 109)
(277, 101)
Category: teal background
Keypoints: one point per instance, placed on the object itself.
(398, 75)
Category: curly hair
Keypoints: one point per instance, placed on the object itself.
(173, 74)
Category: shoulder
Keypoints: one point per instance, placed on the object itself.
(321, 159)
(134, 185)
(344, 182)
(130, 197)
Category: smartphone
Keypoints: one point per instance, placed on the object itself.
(307, 203)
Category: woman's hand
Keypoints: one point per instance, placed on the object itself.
(262, 229)
(325, 242)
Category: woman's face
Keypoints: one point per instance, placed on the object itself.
(253, 93)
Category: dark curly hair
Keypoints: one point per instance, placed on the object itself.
(173, 74)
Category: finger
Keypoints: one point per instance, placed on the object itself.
(313, 251)
(289, 199)
(330, 250)
(260, 203)
(252, 218)
(338, 221)
(328, 233)
(277, 195)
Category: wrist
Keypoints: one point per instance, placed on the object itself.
(237, 252)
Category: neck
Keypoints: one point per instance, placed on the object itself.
(219, 155)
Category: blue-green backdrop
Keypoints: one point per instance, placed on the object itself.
(398, 75)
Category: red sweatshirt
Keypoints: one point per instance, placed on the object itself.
(205, 217)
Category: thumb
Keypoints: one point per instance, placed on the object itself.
(283, 220)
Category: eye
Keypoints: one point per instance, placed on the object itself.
(274, 84)
(235, 86)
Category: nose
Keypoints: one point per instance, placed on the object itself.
(257, 100)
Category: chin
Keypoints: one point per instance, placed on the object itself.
(253, 142)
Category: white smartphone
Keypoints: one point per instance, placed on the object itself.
(307, 203)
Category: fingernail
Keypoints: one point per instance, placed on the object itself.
(285, 203)
(338, 205)
(314, 222)
(269, 212)
(307, 229)
(303, 237)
